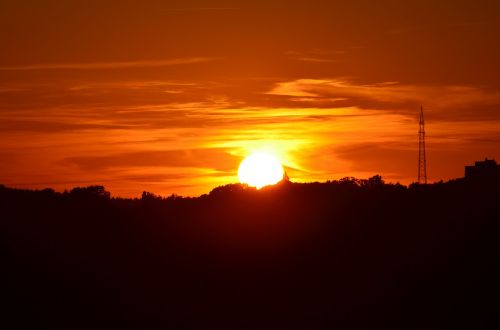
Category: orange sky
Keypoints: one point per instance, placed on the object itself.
(169, 96)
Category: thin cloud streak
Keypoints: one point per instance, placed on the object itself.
(315, 60)
(386, 95)
(110, 65)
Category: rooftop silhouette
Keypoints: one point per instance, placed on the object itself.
(483, 170)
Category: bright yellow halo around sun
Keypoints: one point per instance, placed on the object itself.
(260, 169)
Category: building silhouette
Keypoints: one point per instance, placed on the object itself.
(483, 170)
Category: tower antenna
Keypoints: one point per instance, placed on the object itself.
(422, 163)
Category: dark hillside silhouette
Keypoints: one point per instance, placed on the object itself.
(341, 254)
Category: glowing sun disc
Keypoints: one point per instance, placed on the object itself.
(259, 170)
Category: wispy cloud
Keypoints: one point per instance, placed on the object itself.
(209, 158)
(387, 95)
(438, 26)
(316, 55)
(109, 65)
(315, 60)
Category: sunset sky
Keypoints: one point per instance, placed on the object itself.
(170, 96)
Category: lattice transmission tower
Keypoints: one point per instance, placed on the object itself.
(422, 162)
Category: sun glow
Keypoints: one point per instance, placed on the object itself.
(260, 169)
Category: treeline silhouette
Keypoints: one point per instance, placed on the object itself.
(341, 254)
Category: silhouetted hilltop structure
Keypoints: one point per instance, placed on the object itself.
(343, 254)
(483, 170)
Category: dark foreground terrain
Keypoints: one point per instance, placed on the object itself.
(336, 255)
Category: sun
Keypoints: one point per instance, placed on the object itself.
(260, 169)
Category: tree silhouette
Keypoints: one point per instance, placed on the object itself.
(347, 253)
